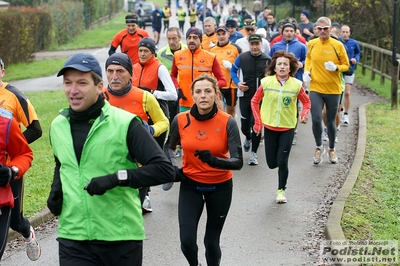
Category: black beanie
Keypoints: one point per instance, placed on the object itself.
(148, 43)
(120, 59)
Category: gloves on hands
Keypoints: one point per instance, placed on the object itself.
(5, 175)
(206, 157)
(148, 127)
(99, 185)
(180, 94)
(227, 64)
(330, 66)
(55, 201)
(306, 77)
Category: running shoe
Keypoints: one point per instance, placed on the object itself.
(338, 128)
(33, 250)
(178, 151)
(167, 186)
(317, 159)
(253, 160)
(247, 145)
(332, 156)
(325, 134)
(280, 198)
(346, 119)
(146, 207)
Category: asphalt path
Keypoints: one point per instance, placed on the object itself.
(258, 231)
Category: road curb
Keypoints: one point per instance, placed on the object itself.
(333, 230)
(35, 221)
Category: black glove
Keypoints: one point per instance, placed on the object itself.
(99, 185)
(180, 94)
(179, 175)
(206, 157)
(5, 175)
(55, 201)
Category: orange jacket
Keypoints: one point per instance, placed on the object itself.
(14, 146)
(129, 43)
(206, 135)
(207, 39)
(146, 74)
(189, 66)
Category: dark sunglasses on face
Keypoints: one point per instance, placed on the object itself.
(323, 28)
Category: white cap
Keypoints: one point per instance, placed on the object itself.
(261, 31)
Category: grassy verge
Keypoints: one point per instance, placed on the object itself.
(100, 36)
(372, 209)
(40, 175)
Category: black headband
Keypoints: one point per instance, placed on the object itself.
(131, 20)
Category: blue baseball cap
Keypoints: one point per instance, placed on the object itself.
(83, 62)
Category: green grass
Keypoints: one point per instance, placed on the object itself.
(100, 36)
(372, 211)
(35, 69)
(383, 90)
(39, 177)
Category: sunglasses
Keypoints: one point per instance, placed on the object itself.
(323, 28)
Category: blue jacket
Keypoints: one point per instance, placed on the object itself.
(297, 48)
(353, 50)
(236, 36)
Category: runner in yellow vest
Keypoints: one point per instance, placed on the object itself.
(193, 16)
(166, 14)
(181, 14)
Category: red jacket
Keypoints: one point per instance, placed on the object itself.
(15, 150)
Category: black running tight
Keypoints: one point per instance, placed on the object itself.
(192, 197)
(277, 150)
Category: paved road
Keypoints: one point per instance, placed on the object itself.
(258, 231)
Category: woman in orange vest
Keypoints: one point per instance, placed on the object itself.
(211, 141)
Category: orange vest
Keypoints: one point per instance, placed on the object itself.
(206, 135)
(131, 102)
(206, 40)
(227, 52)
(146, 74)
(190, 66)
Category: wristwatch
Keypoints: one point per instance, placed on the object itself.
(14, 172)
(122, 175)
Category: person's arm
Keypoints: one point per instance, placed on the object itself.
(174, 74)
(33, 131)
(235, 161)
(357, 52)
(112, 50)
(18, 150)
(170, 91)
(234, 70)
(144, 149)
(305, 100)
(219, 75)
(161, 122)
(55, 199)
(255, 108)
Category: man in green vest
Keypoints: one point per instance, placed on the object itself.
(98, 149)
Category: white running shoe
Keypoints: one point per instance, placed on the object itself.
(325, 134)
(33, 250)
(280, 198)
(253, 160)
(346, 119)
